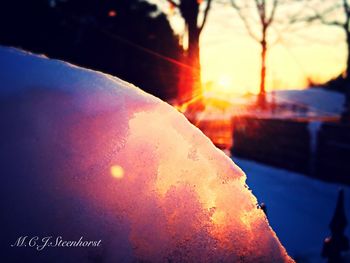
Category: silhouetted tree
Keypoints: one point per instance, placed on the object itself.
(190, 12)
(130, 39)
(332, 13)
(266, 10)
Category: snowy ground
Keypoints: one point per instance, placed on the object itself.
(312, 103)
(318, 100)
(299, 208)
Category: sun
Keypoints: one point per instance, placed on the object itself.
(223, 85)
(225, 82)
(226, 85)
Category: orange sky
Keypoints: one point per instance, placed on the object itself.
(227, 50)
(230, 58)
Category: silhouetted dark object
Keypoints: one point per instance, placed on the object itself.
(266, 18)
(341, 21)
(263, 207)
(97, 34)
(345, 118)
(272, 141)
(341, 84)
(190, 12)
(337, 242)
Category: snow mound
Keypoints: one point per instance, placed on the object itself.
(84, 154)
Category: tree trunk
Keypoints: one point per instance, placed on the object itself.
(262, 95)
(346, 113)
(348, 55)
(192, 86)
(194, 60)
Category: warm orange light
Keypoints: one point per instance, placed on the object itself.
(171, 7)
(223, 85)
(218, 217)
(117, 171)
(225, 81)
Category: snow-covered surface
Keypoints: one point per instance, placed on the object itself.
(318, 100)
(86, 154)
(299, 208)
(316, 103)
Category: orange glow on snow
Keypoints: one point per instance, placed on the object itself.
(218, 217)
(117, 171)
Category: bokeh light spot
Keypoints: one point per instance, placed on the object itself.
(117, 171)
(112, 13)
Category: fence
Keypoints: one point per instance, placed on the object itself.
(291, 144)
(333, 153)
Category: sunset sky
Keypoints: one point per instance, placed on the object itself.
(230, 58)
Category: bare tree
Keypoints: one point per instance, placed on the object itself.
(190, 10)
(332, 13)
(265, 11)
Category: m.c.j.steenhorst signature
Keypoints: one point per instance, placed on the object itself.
(39, 243)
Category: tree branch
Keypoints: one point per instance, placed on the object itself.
(346, 7)
(320, 16)
(260, 7)
(245, 21)
(272, 15)
(173, 3)
(323, 20)
(347, 16)
(206, 11)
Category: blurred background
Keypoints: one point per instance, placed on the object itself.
(268, 81)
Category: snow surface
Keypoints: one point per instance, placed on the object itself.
(299, 208)
(318, 100)
(314, 103)
(86, 154)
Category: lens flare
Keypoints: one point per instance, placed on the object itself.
(117, 171)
